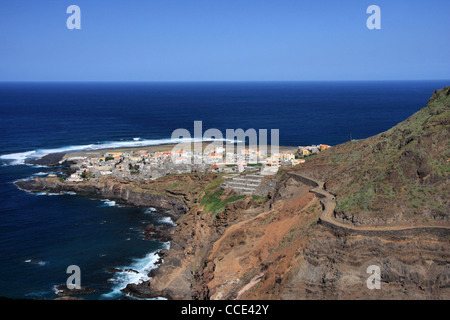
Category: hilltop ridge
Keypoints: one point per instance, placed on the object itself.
(395, 177)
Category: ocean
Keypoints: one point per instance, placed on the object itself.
(41, 235)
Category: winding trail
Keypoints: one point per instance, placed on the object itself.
(328, 202)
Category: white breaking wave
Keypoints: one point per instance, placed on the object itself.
(36, 261)
(161, 219)
(17, 158)
(150, 210)
(167, 220)
(21, 157)
(109, 203)
(138, 273)
(43, 173)
(62, 193)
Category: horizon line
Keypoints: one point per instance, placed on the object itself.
(209, 81)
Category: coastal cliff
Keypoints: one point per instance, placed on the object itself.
(300, 245)
(379, 201)
(112, 189)
(284, 251)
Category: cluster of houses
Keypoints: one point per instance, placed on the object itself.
(143, 165)
(309, 150)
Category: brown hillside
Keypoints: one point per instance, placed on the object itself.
(398, 176)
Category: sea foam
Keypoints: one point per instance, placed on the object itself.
(150, 210)
(167, 220)
(21, 157)
(36, 262)
(142, 265)
(62, 193)
(108, 203)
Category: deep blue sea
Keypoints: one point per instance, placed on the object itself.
(41, 235)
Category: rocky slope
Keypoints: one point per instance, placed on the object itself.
(283, 250)
(280, 248)
(396, 177)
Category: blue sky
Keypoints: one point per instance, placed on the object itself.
(224, 40)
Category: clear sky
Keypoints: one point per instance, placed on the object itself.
(224, 40)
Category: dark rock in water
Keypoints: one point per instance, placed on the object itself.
(68, 298)
(63, 290)
(144, 291)
(131, 271)
(162, 253)
(113, 270)
(48, 160)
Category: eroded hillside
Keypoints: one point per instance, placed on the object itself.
(381, 201)
(399, 176)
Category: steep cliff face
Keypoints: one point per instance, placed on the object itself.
(414, 264)
(392, 212)
(181, 274)
(259, 250)
(111, 189)
(283, 251)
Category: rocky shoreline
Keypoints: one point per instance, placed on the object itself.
(123, 193)
(279, 249)
(282, 250)
(110, 189)
(49, 160)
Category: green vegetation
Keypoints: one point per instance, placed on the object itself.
(405, 166)
(109, 158)
(214, 202)
(174, 185)
(387, 191)
(336, 158)
(86, 175)
(360, 200)
(259, 199)
(214, 199)
(287, 239)
(254, 164)
(134, 169)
